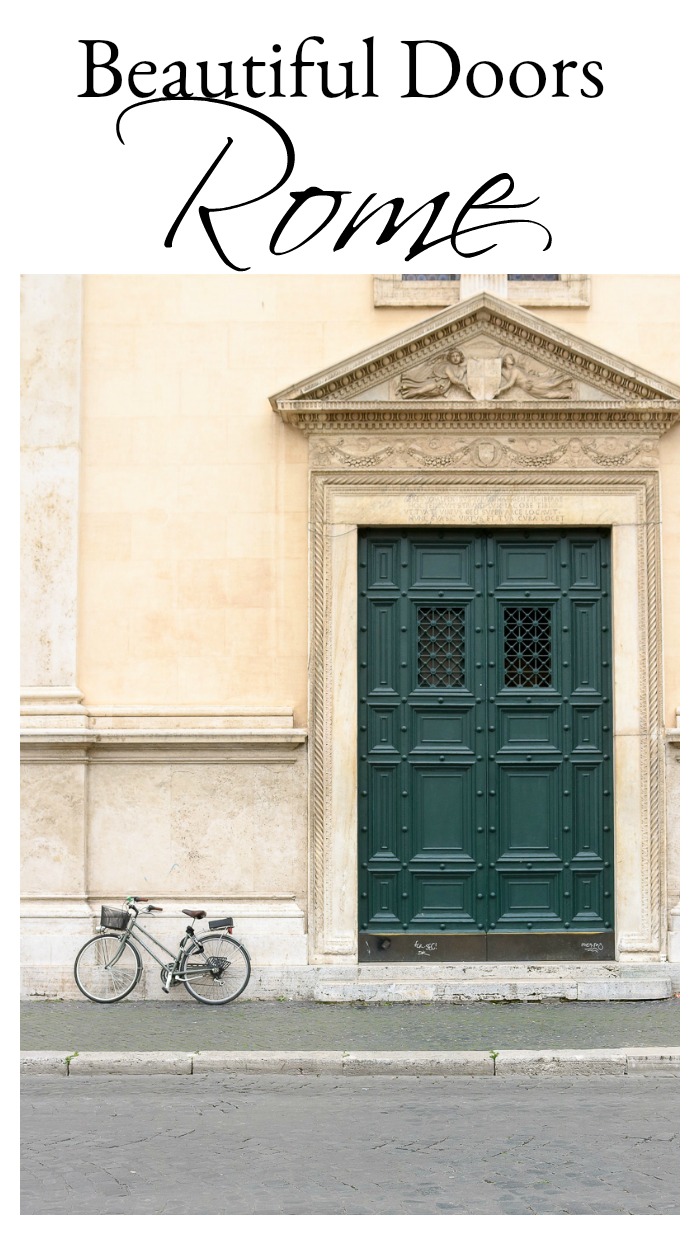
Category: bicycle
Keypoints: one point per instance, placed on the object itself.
(214, 968)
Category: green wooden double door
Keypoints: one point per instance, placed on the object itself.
(485, 743)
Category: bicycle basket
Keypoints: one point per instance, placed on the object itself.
(115, 919)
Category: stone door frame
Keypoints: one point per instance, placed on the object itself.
(627, 502)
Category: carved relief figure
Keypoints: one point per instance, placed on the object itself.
(535, 384)
(434, 378)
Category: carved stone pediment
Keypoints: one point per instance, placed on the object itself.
(482, 364)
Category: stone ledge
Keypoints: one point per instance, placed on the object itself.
(44, 1063)
(594, 980)
(406, 991)
(621, 988)
(426, 982)
(416, 983)
(657, 1059)
(91, 738)
(182, 745)
(148, 733)
(348, 1063)
(561, 1063)
(150, 718)
(607, 1062)
(624, 1061)
(427, 990)
(131, 1063)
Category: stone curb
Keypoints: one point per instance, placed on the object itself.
(624, 1061)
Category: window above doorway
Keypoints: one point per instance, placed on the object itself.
(438, 290)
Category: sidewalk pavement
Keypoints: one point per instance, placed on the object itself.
(550, 1038)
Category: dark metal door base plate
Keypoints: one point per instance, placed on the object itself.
(488, 946)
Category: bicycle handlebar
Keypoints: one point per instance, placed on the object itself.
(131, 902)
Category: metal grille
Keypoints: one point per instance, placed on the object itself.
(440, 647)
(527, 637)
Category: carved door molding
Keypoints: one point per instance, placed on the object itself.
(627, 502)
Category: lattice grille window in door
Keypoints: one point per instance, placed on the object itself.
(527, 638)
(440, 646)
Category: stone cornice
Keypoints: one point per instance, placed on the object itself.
(649, 418)
(151, 745)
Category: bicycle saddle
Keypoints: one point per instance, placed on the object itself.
(195, 913)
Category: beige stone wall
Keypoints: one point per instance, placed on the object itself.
(185, 772)
(226, 829)
(194, 495)
(52, 844)
(51, 339)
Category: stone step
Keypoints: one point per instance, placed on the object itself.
(533, 989)
(492, 971)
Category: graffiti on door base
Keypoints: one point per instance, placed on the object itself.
(424, 948)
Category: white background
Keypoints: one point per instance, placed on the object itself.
(607, 171)
(614, 175)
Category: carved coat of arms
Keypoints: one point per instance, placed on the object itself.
(482, 378)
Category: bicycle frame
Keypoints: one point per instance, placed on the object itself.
(187, 945)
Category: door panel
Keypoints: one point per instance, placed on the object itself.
(384, 650)
(585, 564)
(446, 729)
(436, 900)
(433, 564)
(587, 661)
(526, 565)
(586, 730)
(587, 820)
(529, 729)
(528, 812)
(523, 901)
(442, 813)
(485, 778)
(384, 814)
(588, 896)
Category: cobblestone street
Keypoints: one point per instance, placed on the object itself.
(76, 1025)
(329, 1145)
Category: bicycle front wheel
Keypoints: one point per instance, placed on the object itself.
(219, 972)
(102, 974)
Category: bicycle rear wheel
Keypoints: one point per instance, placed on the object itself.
(100, 975)
(218, 973)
